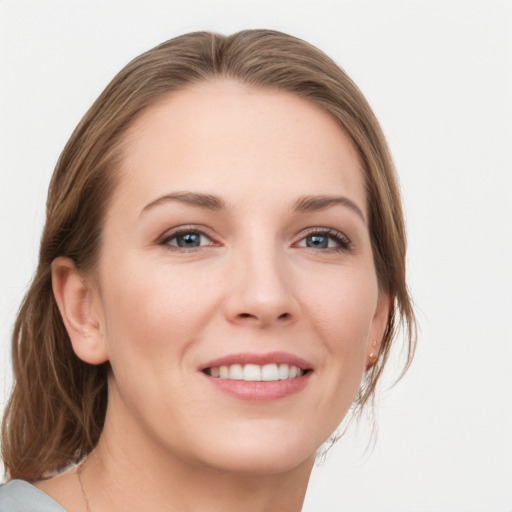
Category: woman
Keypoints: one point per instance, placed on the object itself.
(221, 275)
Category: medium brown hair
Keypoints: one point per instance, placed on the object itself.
(57, 408)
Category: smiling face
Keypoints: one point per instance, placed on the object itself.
(236, 293)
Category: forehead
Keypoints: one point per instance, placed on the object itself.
(226, 138)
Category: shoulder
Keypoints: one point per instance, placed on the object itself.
(20, 496)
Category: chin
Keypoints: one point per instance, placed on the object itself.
(250, 453)
(261, 462)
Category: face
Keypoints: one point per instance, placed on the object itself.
(236, 289)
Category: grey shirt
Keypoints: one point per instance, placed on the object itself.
(20, 496)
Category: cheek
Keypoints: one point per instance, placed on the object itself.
(342, 305)
(152, 318)
(158, 307)
(341, 312)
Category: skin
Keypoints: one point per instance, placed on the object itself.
(158, 312)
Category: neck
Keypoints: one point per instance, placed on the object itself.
(130, 474)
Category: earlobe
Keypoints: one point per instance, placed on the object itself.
(378, 329)
(75, 300)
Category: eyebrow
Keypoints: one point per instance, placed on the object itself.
(316, 203)
(207, 201)
(304, 204)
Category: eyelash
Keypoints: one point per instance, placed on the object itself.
(342, 241)
(185, 231)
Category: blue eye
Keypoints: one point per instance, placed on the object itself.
(329, 239)
(317, 241)
(187, 240)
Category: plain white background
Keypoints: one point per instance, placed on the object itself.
(439, 77)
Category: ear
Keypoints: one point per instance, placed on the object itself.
(79, 308)
(377, 329)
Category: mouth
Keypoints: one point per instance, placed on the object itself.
(258, 376)
(256, 373)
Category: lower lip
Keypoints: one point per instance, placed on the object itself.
(260, 390)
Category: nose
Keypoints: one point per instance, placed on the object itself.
(262, 292)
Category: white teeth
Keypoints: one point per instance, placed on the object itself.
(252, 372)
(256, 373)
(284, 371)
(236, 372)
(269, 372)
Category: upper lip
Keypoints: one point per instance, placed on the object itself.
(259, 359)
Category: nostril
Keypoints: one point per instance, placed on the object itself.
(249, 315)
